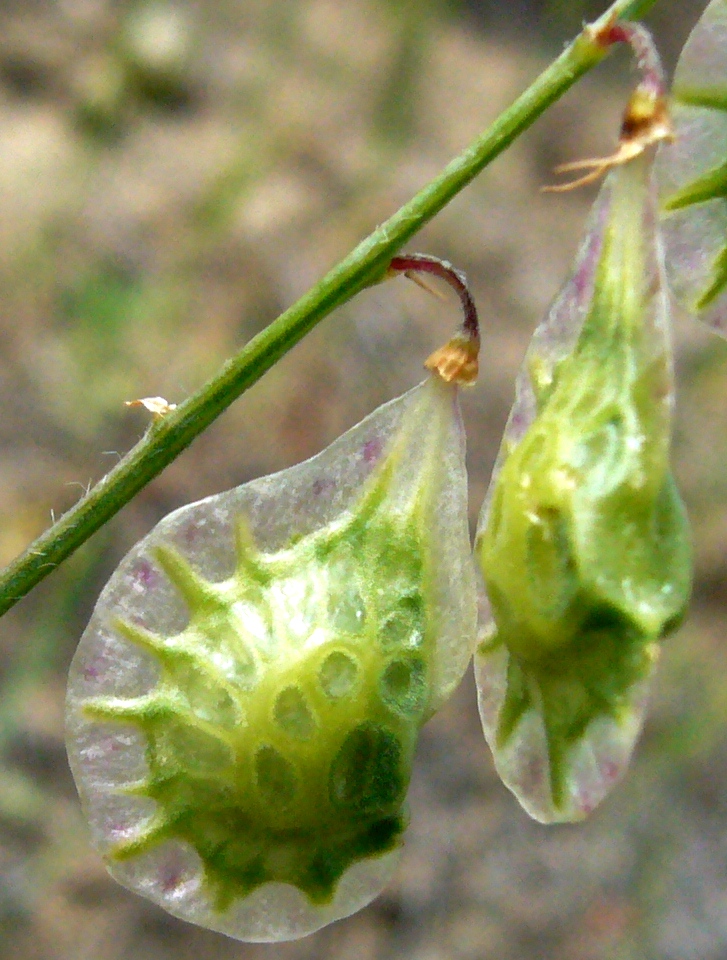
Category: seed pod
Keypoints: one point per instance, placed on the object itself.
(244, 705)
(583, 541)
(692, 173)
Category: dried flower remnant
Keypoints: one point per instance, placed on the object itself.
(692, 173)
(583, 541)
(646, 120)
(244, 706)
(458, 360)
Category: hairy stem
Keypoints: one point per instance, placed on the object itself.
(367, 264)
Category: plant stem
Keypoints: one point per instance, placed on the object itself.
(367, 264)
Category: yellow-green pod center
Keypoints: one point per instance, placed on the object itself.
(584, 546)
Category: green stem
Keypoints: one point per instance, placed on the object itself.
(167, 437)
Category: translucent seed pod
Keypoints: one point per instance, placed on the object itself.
(244, 705)
(692, 173)
(583, 541)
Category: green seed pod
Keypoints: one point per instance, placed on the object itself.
(244, 705)
(692, 172)
(583, 541)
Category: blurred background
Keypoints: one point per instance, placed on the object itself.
(172, 176)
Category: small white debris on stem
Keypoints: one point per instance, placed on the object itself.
(158, 406)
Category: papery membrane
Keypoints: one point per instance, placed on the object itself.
(244, 705)
(692, 173)
(582, 540)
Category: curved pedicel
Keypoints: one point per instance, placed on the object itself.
(583, 541)
(244, 706)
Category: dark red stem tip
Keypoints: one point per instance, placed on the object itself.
(642, 43)
(423, 263)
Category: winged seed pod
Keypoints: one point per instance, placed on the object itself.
(692, 172)
(583, 541)
(244, 705)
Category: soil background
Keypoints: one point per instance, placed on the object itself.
(172, 176)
